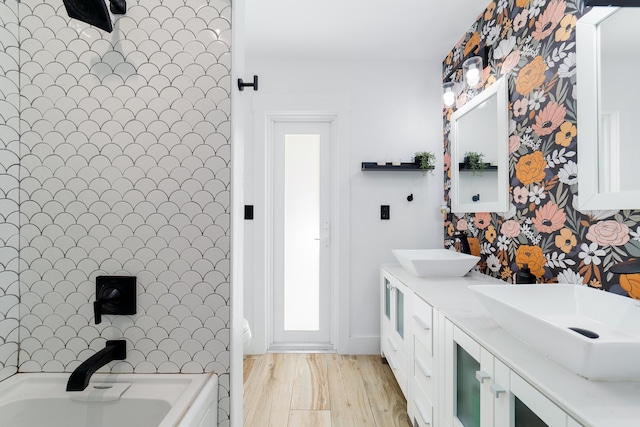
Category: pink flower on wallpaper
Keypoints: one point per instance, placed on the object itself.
(447, 161)
(482, 220)
(549, 218)
(520, 107)
(520, 195)
(462, 225)
(520, 20)
(514, 143)
(549, 118)
(549, 20)
(608, 233)
(510, 228)
(510, 62)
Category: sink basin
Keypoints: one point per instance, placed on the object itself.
(592, 333)
(435, 262)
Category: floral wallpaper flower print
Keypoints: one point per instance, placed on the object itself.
(533, 43)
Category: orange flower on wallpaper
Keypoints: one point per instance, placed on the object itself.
(482, 220)
(474, 245)
(549, 218)
(522, 3)
(449, 58)
(490, 234)
(631, 284)
(531, 168)
(566, 240)
(531, 76)
(567, 25)
(549, 118)
(549, 20)
(533, 257)
(566, 134)
(473, 44)
(488, 14)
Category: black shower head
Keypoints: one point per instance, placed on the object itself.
(93, 12)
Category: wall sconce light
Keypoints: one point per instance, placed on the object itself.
(472, 69)
(448, 95)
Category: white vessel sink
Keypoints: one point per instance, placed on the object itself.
(542, 315)
(435, 262)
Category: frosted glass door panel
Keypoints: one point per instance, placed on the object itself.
(467, 389)
(301, 233)
(400, 313)
(387, 298)
(525, 417)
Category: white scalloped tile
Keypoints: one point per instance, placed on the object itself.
(137, 184)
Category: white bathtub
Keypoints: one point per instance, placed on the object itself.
(110, 400)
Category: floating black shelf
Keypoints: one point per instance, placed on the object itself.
(487, 167)
(373, 166)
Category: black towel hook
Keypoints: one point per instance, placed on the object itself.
(254, 85)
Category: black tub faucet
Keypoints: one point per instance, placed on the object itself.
(464, 241)
(114, 350)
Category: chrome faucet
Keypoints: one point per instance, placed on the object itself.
(464, 241)
(114, 350)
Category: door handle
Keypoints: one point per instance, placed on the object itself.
(481, 376)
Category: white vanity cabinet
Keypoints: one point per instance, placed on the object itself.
(481, 391)
(395, 338)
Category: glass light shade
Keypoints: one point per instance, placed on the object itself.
(448, 95)
(472, 68)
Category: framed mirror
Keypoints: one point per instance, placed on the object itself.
(481, 127)
(607, 60)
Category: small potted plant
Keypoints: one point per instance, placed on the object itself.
(474, 161)
(426, 160)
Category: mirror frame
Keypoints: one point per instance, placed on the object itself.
(500, 90)
(588, 108)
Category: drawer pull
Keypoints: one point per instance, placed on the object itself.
(481, 376)
(421, 322)
(392, 345)
(423, 368)
(423, 414)
(496, 390)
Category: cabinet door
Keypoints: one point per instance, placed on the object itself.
(468, 377)
(395, 307)
(518, 403)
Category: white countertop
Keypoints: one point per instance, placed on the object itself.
(592, 403)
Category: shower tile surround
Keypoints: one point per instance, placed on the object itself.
(115, 159)
(533, 44)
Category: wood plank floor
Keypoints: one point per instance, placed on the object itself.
(321, 390)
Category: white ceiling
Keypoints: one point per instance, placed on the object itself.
(357, 29)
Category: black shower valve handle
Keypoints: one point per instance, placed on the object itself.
(110, 295)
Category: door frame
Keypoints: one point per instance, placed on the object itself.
(328, 123)
(266, 109)
(272, 119)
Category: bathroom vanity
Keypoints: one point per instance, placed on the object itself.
(457, 367)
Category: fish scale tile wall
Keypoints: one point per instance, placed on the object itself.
(9, 195)
(124, 168)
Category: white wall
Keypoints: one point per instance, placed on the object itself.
(395, 110)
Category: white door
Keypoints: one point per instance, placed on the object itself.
(301, 294)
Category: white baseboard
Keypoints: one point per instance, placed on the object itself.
(364, 345)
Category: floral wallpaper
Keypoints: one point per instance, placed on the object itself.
(533, 44)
